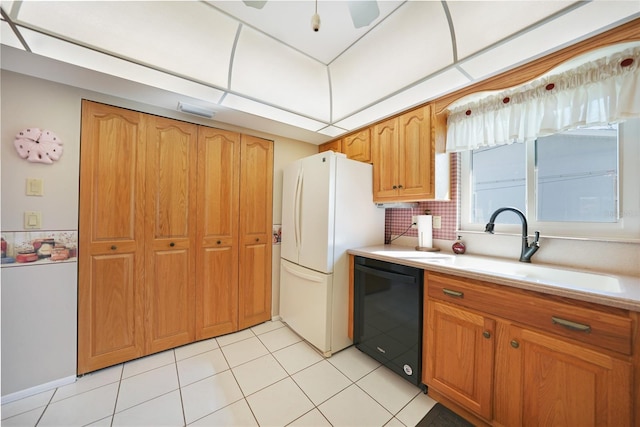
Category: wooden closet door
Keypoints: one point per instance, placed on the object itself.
(217, 232)
(170, 233)
(111, 237)
(256, 192)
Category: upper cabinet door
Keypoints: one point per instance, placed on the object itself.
(415, 165)
(256, 231)
(335, 146)
(111, 231)
(170, 234)
(385, 157)
(217, 232)
(358, 146)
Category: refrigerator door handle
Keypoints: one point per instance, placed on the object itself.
(301, 275)
(297, 211)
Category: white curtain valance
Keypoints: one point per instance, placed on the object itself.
(599, 92)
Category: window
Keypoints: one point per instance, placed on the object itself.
(580, 183)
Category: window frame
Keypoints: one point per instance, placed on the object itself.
(626, 228)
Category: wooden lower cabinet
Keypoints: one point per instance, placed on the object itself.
(508, 373)
(546, 381)
(460, 363)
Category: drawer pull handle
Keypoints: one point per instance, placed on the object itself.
(172, 244)
(114, 247)
(515, 344)
(486, 334)
(571, 325)
(455, 294)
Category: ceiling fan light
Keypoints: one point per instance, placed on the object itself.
(255, 4)
(363, 12)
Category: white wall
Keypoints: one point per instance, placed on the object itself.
(30, 102)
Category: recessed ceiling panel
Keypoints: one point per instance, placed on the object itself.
(412, 43)
(269, 71)
(479, 24)
(262, 110)
(90, 59)
(290, 23)
(431, 88)
(8, 37)
(579, 24)
(185, 38)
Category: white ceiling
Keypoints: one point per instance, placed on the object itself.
(265, 69)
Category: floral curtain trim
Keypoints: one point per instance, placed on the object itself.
(599, 92)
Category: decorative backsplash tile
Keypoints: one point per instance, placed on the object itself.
(397, 221)
(21, 248)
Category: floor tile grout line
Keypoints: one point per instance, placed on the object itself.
(45, 407)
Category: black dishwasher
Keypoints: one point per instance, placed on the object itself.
(387, 315)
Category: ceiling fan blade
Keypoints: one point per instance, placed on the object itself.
(258, 4)
(363, 12)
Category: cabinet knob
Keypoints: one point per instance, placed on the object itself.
(172, 244)
(395, 187)
(400, 186)
(218, 242)
(515, 344)
(486, 334)
(257, 239)
(114, 247)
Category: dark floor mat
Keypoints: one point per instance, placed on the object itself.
(440, 416)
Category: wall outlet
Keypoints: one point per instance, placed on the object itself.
(437, 222)
(414, 221)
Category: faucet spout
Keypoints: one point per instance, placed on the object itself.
(527, 249)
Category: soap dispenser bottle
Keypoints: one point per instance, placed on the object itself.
(458, 247)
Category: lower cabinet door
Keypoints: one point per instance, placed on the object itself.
(545, 381)
(460, 356)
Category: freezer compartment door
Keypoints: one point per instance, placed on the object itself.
(305, 297)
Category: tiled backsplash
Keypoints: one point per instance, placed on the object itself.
(398, 220)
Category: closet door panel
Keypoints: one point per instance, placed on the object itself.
(217, 232)
(256, 185)
(111, 237)
(170, 233)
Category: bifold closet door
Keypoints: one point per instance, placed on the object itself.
(217, 232)
(170, 233)
(256, 229)
(111, 242)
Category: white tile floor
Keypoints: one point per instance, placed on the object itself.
(262, 376)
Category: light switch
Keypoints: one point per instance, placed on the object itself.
(32, 220)
(437, 222)
(34, 187)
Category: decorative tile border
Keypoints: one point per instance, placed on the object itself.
(22, 248)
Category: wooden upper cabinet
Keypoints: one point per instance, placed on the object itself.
(111, 237)
(403, 154)
(357, 146)
(335, 146)
(170, 235)
(217, 232)
(256, 229)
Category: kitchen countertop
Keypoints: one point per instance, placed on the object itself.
(600, 288)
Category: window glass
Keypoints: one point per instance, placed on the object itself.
(577, 176)
(498, 180)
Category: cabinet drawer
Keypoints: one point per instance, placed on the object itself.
(604, 327)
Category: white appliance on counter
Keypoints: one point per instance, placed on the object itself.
(327, 208)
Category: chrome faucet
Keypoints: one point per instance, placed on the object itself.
(527, 249)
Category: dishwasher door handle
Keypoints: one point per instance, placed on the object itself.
(396, 277)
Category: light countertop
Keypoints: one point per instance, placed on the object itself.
(600, 288)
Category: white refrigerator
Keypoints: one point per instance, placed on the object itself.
(327, 208)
